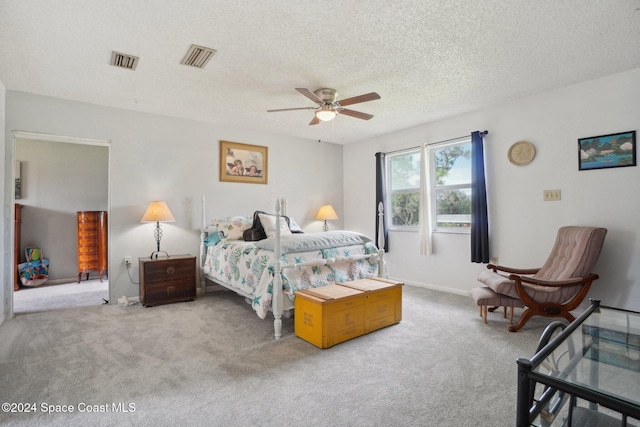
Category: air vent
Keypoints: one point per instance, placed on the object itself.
(198, 56)
(124, 61)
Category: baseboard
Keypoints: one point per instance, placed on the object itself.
(61, 281)
(432, 287)
(75, 280)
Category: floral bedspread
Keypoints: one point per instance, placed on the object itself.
(244, 266)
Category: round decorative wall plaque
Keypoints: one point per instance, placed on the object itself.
(521, 153)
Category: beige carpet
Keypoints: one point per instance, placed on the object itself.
(214, 362)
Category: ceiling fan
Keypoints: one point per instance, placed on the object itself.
(328, 105)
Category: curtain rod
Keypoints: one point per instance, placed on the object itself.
(485, 132)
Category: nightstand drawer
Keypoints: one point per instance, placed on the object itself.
(168, 269)
(169, 291)
(167, 280)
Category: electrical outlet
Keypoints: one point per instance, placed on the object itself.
(127, 261)
(551, 195)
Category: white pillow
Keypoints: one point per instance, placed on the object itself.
(269, 224)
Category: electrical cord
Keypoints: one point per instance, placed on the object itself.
(129, 273)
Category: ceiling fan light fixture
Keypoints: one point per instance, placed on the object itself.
(325, 113)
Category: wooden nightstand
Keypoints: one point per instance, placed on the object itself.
(167, 280)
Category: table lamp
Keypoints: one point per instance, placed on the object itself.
(158, 212)
(326, 212)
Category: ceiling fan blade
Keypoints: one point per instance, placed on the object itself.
(356, 114)
(361, 98)
(314, 121)
(292, 109)
(312, 96)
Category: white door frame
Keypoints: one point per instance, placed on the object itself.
(17, 134)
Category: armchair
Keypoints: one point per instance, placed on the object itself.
(560, 285)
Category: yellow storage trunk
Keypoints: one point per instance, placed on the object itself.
(329, 315)
(383, 301)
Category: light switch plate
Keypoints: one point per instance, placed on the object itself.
(551, 195)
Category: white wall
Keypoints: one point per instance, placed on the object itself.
(161, 158)
(58, 180)
(522, 226)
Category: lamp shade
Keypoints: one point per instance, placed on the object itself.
(158, 212)
(326, 212)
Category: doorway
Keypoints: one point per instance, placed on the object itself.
(58, 177)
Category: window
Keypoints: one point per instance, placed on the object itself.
(403, 172)
(450, 169)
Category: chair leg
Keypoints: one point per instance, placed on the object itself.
(484, 313)
(524, 318)
(504, 314)
(511, 315)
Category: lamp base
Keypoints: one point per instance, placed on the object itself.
(154, 254)
(158, 235)
(325, 227)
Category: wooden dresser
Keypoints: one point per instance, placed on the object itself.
(167, 280)
(92, 243)
(17, 223)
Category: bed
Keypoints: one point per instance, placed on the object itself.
(239, 254)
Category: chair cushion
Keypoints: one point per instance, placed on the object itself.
(502, 285)
(574, 253)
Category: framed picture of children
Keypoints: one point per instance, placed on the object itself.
(243, 163)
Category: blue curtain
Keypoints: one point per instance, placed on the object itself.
(479, 217)
(381, 196)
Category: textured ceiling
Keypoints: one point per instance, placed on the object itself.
(428, 59)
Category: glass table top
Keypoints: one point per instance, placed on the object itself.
(601, 355)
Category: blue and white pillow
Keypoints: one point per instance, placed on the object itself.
(213, 238)
(232, 228)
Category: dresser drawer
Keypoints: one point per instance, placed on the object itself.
(89, 257)
(83, 249)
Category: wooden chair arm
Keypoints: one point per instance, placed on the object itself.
(554, 283)
(495, 268)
